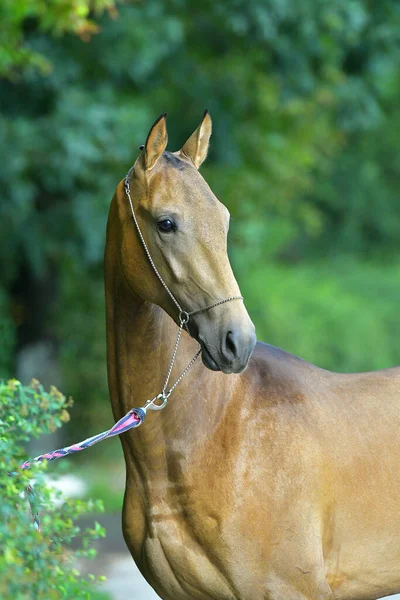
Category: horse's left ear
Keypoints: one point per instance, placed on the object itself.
(156, 142)
(196, 147)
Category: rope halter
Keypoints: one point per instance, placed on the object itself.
(160, 401)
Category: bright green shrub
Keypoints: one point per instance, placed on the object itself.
(340, 315)
(37, 565)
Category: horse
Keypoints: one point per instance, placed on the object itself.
(265, 477)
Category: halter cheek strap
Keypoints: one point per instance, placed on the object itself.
(183, 314)
(160, 401)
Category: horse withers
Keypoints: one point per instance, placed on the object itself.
(279, 481)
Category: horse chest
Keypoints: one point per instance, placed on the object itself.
(178, 566)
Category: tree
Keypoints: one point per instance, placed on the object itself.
(56, 17)
(302, 95)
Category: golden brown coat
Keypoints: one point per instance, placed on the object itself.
(280, 482)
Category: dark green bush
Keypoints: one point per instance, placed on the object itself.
(35, 564)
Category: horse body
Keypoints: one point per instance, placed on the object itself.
(280, 482)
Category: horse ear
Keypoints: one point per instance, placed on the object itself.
(196, 147)
(156, 142)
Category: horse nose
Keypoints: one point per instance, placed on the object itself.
(237, 346)
(231, 352)
(231, 346)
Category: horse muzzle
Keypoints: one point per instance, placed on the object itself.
(231, 352)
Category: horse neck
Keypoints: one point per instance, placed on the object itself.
(140, 342)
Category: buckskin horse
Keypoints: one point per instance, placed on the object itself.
(281, 481)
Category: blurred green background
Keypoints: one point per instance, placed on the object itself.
(305, 100)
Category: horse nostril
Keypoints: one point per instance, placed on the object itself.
(230, 344)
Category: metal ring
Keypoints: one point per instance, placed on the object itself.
(184, 317)
(154, 406)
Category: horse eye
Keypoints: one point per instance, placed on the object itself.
(166, 225)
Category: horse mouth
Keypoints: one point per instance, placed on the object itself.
(208, 360)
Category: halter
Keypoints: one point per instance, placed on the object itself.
(183, 315)
(135, 416)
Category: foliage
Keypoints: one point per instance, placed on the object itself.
(305, 103)
(56, 16)
(38, 564)
(7, 333)
(346, 311)
(108, 484)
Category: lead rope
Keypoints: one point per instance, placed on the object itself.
(135, 416)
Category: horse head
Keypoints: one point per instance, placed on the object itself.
(185, 229)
